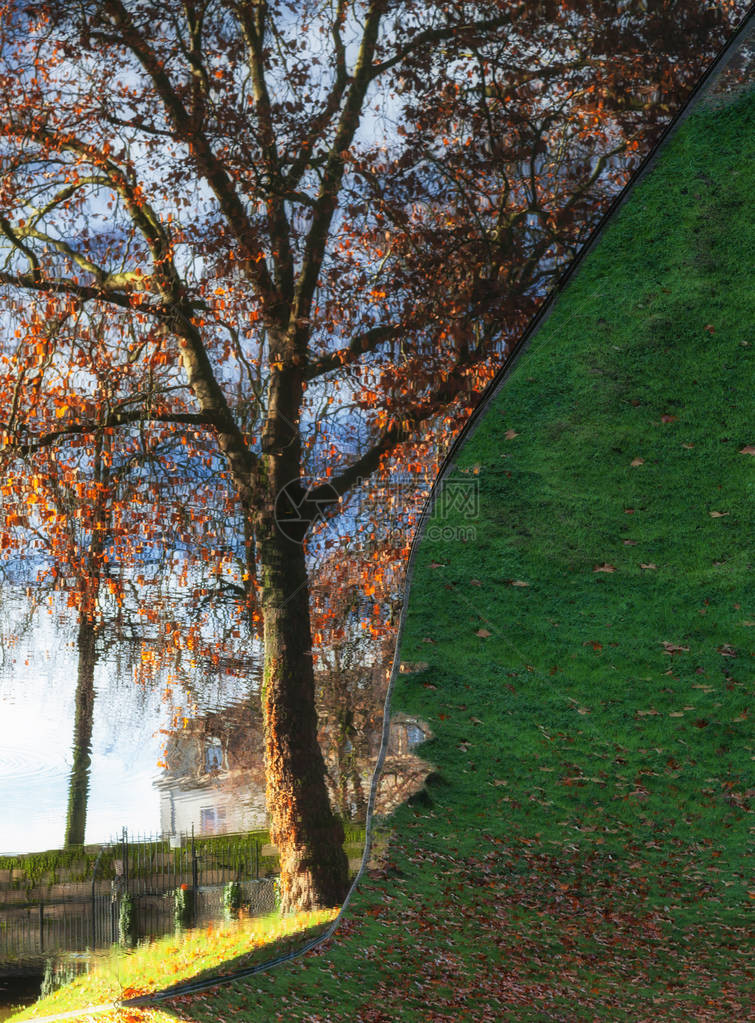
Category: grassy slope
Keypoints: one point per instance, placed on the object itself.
(580, 855)
(583, 854)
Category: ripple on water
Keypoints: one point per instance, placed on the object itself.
(22, 766)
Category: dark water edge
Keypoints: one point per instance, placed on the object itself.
(19, 987)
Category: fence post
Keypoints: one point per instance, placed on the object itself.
(94, 897)
(194, 875)
(124, 840)
(41, 927)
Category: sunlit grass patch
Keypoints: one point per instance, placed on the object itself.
(119, 975)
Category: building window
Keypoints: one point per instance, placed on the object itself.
(211, 820)
(414, 735)
(213, 755)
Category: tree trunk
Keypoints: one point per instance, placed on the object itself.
(309, 837)
(78, 786)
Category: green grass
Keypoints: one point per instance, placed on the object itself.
(579, 851)
(176, 957)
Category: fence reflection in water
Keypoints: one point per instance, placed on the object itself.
(86, 914)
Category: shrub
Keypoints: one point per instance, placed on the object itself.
(232, 900)
(127, 922)
(183, 913)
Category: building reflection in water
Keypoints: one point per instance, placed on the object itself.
(213, 780)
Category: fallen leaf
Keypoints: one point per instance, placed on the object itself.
(674, 648)
(726, 650)
(604, 568)
(475, 721)
(688, 446)
(630, 543)
(483, 633)
(717, 514)
(666, 418)
(676, 714)
(629, 511)
(409, 667)
(427, 639)
(637, 461)
(748, 449)
(510, 434)
(499, 781)
(437, 564)
(710, 328)
(519, 582)
(647, 564)
(475, 582)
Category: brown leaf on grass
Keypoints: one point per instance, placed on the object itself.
(519, 582)
(666, 418)
(483, 633)
(475, 582)
(674, 648)
(688, 446)
(428, 639)
(510, 434)
(630, 543)
(499, 781)
(726, 650)
(648, 564)
(748, 449)
(604, 568)
(409, 667)
(710, 328)
(637, 461)
(437, 564)
(717, 514)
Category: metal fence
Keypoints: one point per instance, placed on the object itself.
(85, 915)
(148, 865)
(76, 926)
(71, 926)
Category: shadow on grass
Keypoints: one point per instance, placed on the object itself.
(241, 966)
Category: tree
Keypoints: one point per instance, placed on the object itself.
(69, 513)
(313, 230)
